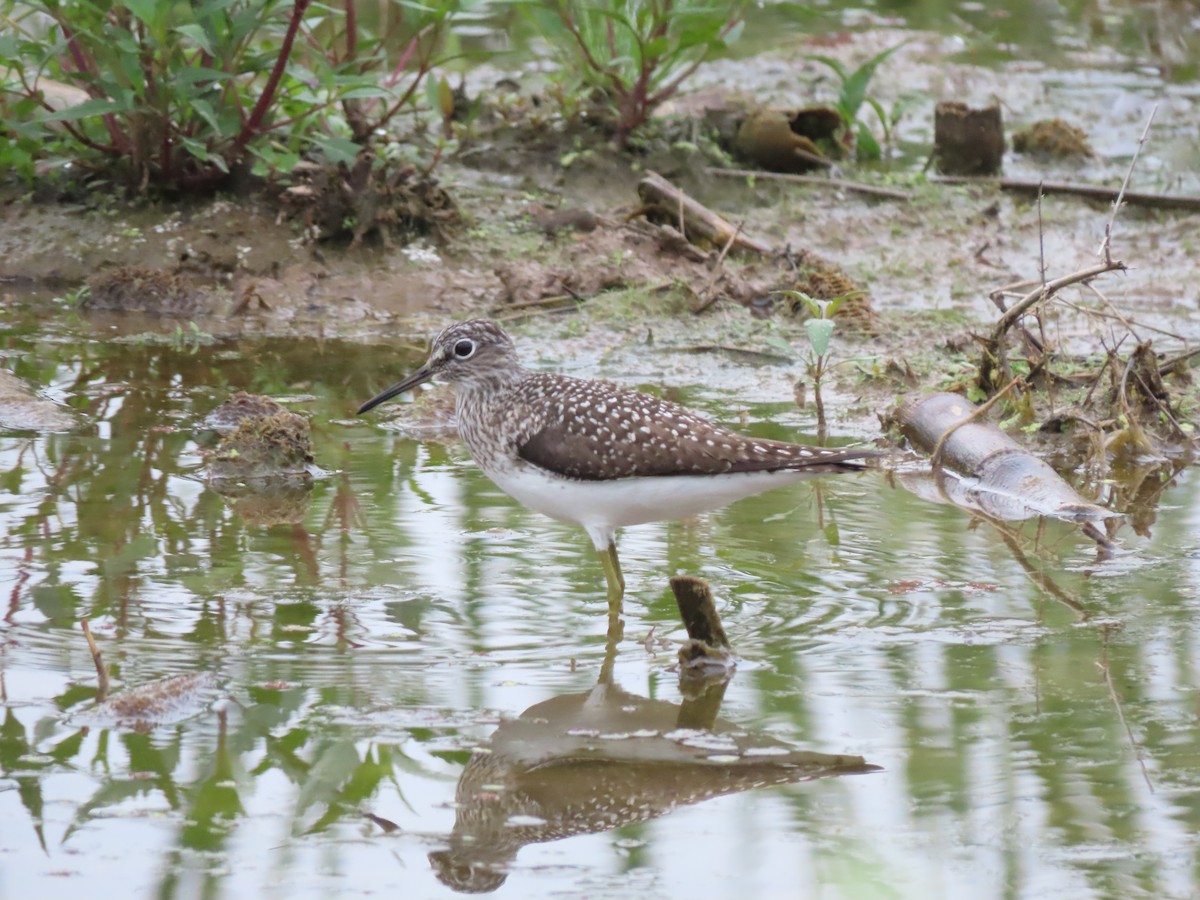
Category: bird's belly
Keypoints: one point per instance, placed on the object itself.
(633, 501)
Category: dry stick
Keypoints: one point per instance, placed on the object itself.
(97, 661)
(1108, 363)
(1177, 362)
(935, 458)
(706, 300)
(541, 301)
(1112, 693)
(1181, 202)
(682, 228)
(1131, 422)
(1048, 290)
(842, 184)
(768, 356)
(1127, 322)
(1137, 151)
(1041, 242)
(1041, 278)
(1162, 407)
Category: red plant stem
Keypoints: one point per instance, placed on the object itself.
(87, 67)
(404, 98)
(252, 124)
(404, 58)
(668, 90)
(351, 29)
(40, 98)
(618, 88)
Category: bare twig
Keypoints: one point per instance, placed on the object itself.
(707, 299)
(1182, 202)
(819, 180)
(1049, 289)
(1106, 245)
(1041, 242)
(97, 661)
(1112, 693)
(1177, 362)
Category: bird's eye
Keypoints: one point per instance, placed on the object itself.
(464, 349)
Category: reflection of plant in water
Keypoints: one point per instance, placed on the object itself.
(191, 338)
(202, 783)
(114, 505)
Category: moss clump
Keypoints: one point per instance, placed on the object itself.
(1053, 138)
(141, 289)
(241, 406)
(262, 447)
(822, 280)
(372, 197)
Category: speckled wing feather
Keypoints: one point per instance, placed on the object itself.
(595, 431)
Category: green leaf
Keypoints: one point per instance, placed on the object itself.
(152, 12)
(838, 68)
(198, 74)
(854, 88)
(655, 48)
(831, 308)
(197, 35)
(205, 111)
(365, 93)
(431, 91)
(195, 148)
(819, 333)
(868, 147)
(337, 149)
(778, 343)
(84, 110)
(813, 306)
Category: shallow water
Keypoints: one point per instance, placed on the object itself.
(1032, 711)
(370, 648)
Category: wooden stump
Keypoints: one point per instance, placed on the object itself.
(967, 141)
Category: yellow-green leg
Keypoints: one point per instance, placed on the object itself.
(612, 573)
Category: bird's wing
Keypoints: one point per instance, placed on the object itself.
(592, 431)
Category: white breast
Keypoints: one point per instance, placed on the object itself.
(603, 506)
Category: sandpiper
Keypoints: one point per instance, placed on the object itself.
(596, 454)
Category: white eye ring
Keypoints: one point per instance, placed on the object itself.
(464, 349)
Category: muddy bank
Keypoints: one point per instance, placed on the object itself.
(546, 220)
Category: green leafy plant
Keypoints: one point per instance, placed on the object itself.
(820, 331)
(635, 53)
(853, 94)
(182, 95)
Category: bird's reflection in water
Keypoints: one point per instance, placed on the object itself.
(590, 762)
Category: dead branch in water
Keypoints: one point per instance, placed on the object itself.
(935, 458)
(97, 661)
(993, 366)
